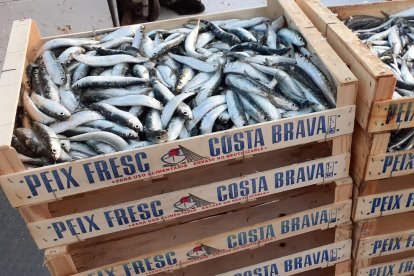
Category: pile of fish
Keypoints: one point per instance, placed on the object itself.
(402, 139)
(391, 39)
(131, 88)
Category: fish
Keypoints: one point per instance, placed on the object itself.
(134, 100)
(107, 82)
(125, 31)
(390, 38)
(103, 136)
(172, 105)
(50, 107)
(49, 139)
(97, 61)
(54, 68)
(133, 88)
(117, 115)
(235, 109)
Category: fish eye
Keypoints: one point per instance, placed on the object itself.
(159, 137)
(54, 150)
(61, 113)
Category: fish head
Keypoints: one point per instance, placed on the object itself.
(301, 42)
(63, 114)
(157, 136)
(55, 151)
(187, 113)
(132, 134)
(135, 124)
(65, 145)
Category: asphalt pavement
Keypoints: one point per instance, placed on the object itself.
(19, 255)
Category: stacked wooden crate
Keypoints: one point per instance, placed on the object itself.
(384, 192)
(280, 189)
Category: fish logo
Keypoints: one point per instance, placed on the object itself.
(190, 202)
(179, 156)
(201, 251)
(330, 169)
(331, 124)
(334, 255)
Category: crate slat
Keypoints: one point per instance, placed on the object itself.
(330, 255)
(402, 267)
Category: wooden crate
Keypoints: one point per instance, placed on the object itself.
(381, 242)
(376, 112)
(36, 199)
(47, 206)
(383, 211)
(24, 187)
(329, 206)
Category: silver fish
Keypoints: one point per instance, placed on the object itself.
(170, 108)
(54, 68)
(102, 136)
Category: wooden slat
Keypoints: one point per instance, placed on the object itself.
(390, 165)
(188, 179)
(385, 185)
(400, 267)
(147, 162)
(384, 204)
(329, 255)
(388, 244)
(391, 115)
(373, 9)
(384, 225)
(319, 14)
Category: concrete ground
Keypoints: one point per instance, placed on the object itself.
(18, 253)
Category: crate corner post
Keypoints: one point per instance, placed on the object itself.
(59, 261)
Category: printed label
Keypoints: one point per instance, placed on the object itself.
(384, 204)
(387, 244)
(323, 256)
